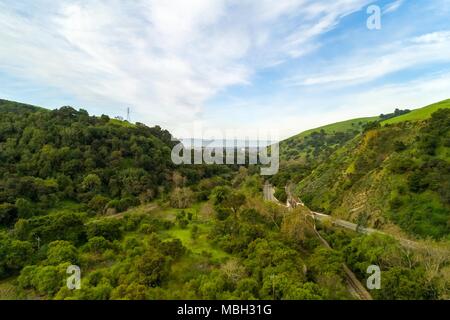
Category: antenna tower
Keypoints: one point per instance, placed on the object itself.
(128, 114)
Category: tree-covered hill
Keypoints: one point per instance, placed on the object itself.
(397, 172)
(66, 155)
(48, 156)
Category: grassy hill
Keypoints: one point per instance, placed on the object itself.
(353, 124)
(323, 140)
(389, 174)
(420, 114)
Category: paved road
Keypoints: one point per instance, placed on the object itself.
(346, 224)
(354, 285)
(354, 227)
(269, 191)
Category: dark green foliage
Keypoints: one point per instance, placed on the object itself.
(402, 165)
(399, 283)
(8, 214)
(173, 248)
(98, 204)
(280, 195)
(194, 232)
(182, 219)
(222, 213)
(122, 204)
(55, 155)
(225, 197)
(371, 126)
(109, 229)
(25, 209)
(154, 267)
(396, 113)
(60, 252)
(400, 146)
(97, 244)
(326, 261)
(60, 226)
(46, 280)
(14, 255)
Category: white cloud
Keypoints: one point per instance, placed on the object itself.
(393, 6)
(164, 58)
(410, 94)
(378, 62)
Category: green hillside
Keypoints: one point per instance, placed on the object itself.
(323, 140)
(302, 153)
(354, 124)
(393, 174)
(420, 114)
(12, 106)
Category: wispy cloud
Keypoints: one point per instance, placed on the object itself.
(384, 60)
(176, 61)
(165, 58)
(393, 6)
(298, 116)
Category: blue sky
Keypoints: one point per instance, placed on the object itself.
(281, 66)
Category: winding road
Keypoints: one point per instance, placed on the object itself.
(292, 202)
(355, 287)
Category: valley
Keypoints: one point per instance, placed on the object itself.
(104, 195)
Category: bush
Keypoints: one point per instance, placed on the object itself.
(24, 208)
(59, 226)
(222, 213)
(97, 244)
(182, 219)
(14, 255)
(173, 248)
(98, 204)
(60, 252)
(109, 229)
(46, 280)
(123, 204)
(154, 268)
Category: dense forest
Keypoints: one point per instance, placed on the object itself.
(103, 194)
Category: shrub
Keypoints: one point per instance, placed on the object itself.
(109, 229)
(98, 204)
(60, 252)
